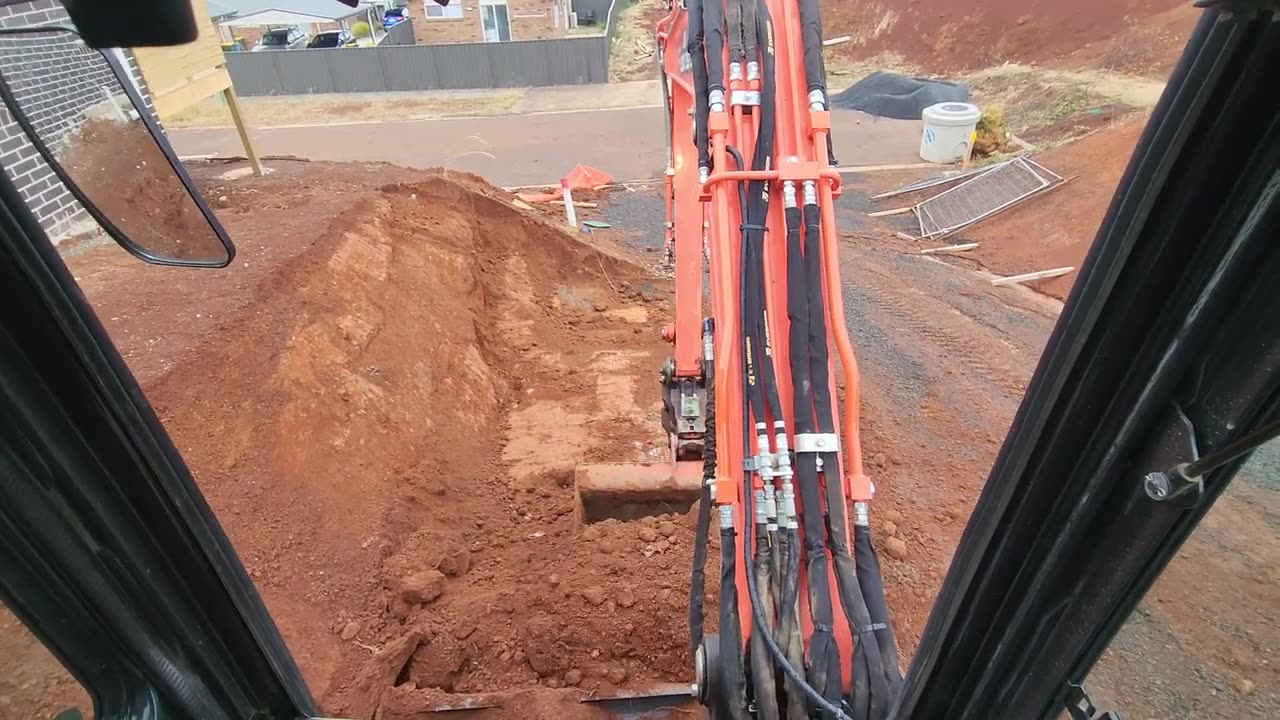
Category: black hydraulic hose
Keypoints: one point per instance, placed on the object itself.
(713, 34)
(697, 578)
(759, 196)
(761, 624)
(816, 323)
(870, 690)
(789, 621)
(872, 583)
(732, 678)
(815, 69)
(733, 10)
(811, 38)
(822, 650)
(750, 43)
(701, 103)
(764, 681)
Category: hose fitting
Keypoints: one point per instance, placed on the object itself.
(862, 514)
(810, 192)
(817, 100)
(789, 193)
(735, 71)
(753, 70)
(717, 100)
(726, 517)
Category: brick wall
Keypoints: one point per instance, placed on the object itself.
(530, 20)
(56, 80)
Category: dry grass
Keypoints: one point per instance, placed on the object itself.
(632, 55)
(269, 111)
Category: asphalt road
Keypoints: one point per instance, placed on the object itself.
(529, 149)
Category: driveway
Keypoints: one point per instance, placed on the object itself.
(531, 148)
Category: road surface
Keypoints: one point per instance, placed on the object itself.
(529, 149)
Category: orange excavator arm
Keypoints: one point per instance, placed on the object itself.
(751, 187)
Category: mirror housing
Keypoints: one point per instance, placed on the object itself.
(97, 136)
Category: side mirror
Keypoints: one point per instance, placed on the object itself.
(80, 110)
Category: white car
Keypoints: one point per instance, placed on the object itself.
(281, 39)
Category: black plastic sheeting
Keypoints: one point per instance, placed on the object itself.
(891, 95)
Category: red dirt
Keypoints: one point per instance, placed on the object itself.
(386, 418)
(961, 34)
(1057, 229)
(122, 170)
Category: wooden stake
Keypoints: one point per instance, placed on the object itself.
(903, 236)
(1039, 275)
(234, 106)
(895, 211)
(946, 249)
(879, 168)
(837, 40)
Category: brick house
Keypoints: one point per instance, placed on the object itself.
(464, 21)
(56, 79)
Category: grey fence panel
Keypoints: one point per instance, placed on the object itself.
(303, 72)
(463, 66)
(409, 68)
(578, 61)
(515, 66)
(525, 63)
(356, 69)
(401, 34)
(253, 73)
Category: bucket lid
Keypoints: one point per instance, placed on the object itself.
(952, 113)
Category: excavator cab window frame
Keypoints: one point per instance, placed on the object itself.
(109, 553)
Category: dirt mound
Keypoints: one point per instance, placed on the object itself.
(1057, 229)
(959, 34)
(389, 434)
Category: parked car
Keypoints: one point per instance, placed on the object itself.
(393, 17)
(331, 39)
(281, 39)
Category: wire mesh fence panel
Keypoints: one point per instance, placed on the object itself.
(982, 196)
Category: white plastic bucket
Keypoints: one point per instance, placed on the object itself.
(948, 130)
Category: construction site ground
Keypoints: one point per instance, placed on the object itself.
(385, 396)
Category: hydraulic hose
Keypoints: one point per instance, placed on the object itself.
(697, 577)
(870, 690)
(764, 680)
(815, 69)
(760, 623)
(732, 678)
(873, 590)
(733, 10)
(701, 103)
(713, 42)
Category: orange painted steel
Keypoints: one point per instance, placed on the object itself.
(799, 155)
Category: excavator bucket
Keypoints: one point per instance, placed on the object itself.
(627, 491)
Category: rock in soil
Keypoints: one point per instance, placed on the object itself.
(666, 529)
(573, 678)
(456, 562)
(890, 528)
(421, 587)
(647, 534)
(350, 630)
(591, 533)
(594, 596)
(626, 598)
(895, 548)
(893, 515)
(662, 546)
(617, 675)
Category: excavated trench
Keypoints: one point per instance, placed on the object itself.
(390, 433)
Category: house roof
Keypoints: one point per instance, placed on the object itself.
(279, 12)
